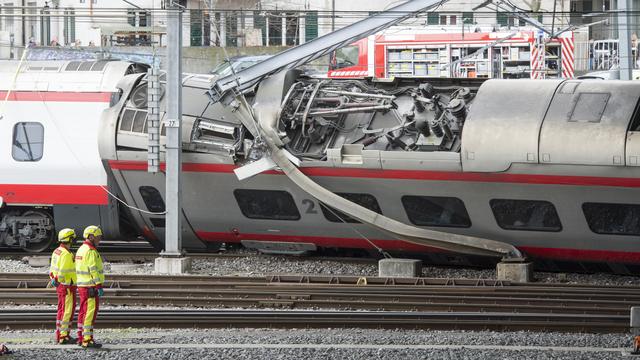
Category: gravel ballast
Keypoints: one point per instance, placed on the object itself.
(326, 344)
(257, 265)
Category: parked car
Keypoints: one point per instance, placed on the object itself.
(608, 75)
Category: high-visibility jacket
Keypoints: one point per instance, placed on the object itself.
(89, 268)
(62, 267)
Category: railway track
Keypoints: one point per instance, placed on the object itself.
(424, 303)
(143, 256)
(29, 319)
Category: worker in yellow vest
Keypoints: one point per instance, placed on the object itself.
(63, 277)
(90, 275)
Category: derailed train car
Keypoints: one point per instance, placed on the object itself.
(547, 167)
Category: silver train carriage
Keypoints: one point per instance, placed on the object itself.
(551, 167)
(51, 176)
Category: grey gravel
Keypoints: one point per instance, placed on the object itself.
(372, 337)
(254, 264)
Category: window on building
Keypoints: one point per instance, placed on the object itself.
(293, 29)
(266, 204)
(436, 211)
(433, 18)
(260, 22)
(206, 28)
(231, 28)
(616, 219)
(152, 199)
(502, 19)
(453, 20)
(274, 28)
(8, 11)
(45, 27)
(131, 17)
(195, 19)
(533, 215)
(28, 141)
(31, 22)
(69, 31)
(311, 25)
(144, 18)
(467, 17)
(365, 200)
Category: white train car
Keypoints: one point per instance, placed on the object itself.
(51, 175)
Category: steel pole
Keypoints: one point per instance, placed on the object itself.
(625, 58)
(173, 233)
(333, 15)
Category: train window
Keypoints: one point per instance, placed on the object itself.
(366, 200)
(86, 65)
(99, 65)
(589, 107)
(139, 120)
(157, 222)
(28, 141)
(127, 120)
(152, 198)
(617, 219)
(73, 66)
(266, 204)
(436, 211)
(532, 215)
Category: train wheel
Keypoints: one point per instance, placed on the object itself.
(47, 240)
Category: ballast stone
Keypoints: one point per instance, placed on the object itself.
(515, 272)
(399, 268)
(173, 265)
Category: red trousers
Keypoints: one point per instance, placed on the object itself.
(66, 307)
(87, 314)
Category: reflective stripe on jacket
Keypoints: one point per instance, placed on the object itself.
(89, 268)
(62, 267)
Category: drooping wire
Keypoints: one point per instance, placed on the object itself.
(379, 249)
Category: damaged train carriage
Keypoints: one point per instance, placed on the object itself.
(429, 166)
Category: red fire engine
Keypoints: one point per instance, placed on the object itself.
(471, 55)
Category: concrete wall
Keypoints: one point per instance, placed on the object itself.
(195, 59)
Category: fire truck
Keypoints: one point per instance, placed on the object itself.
(502, 55)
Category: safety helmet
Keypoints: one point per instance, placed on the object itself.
(92, 230)
(66, 235)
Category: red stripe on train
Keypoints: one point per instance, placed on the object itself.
(324, 241)
(59, 96)
(14, 194)
(399, 245)
(409, 174)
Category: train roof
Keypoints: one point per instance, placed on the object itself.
(74, 75)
